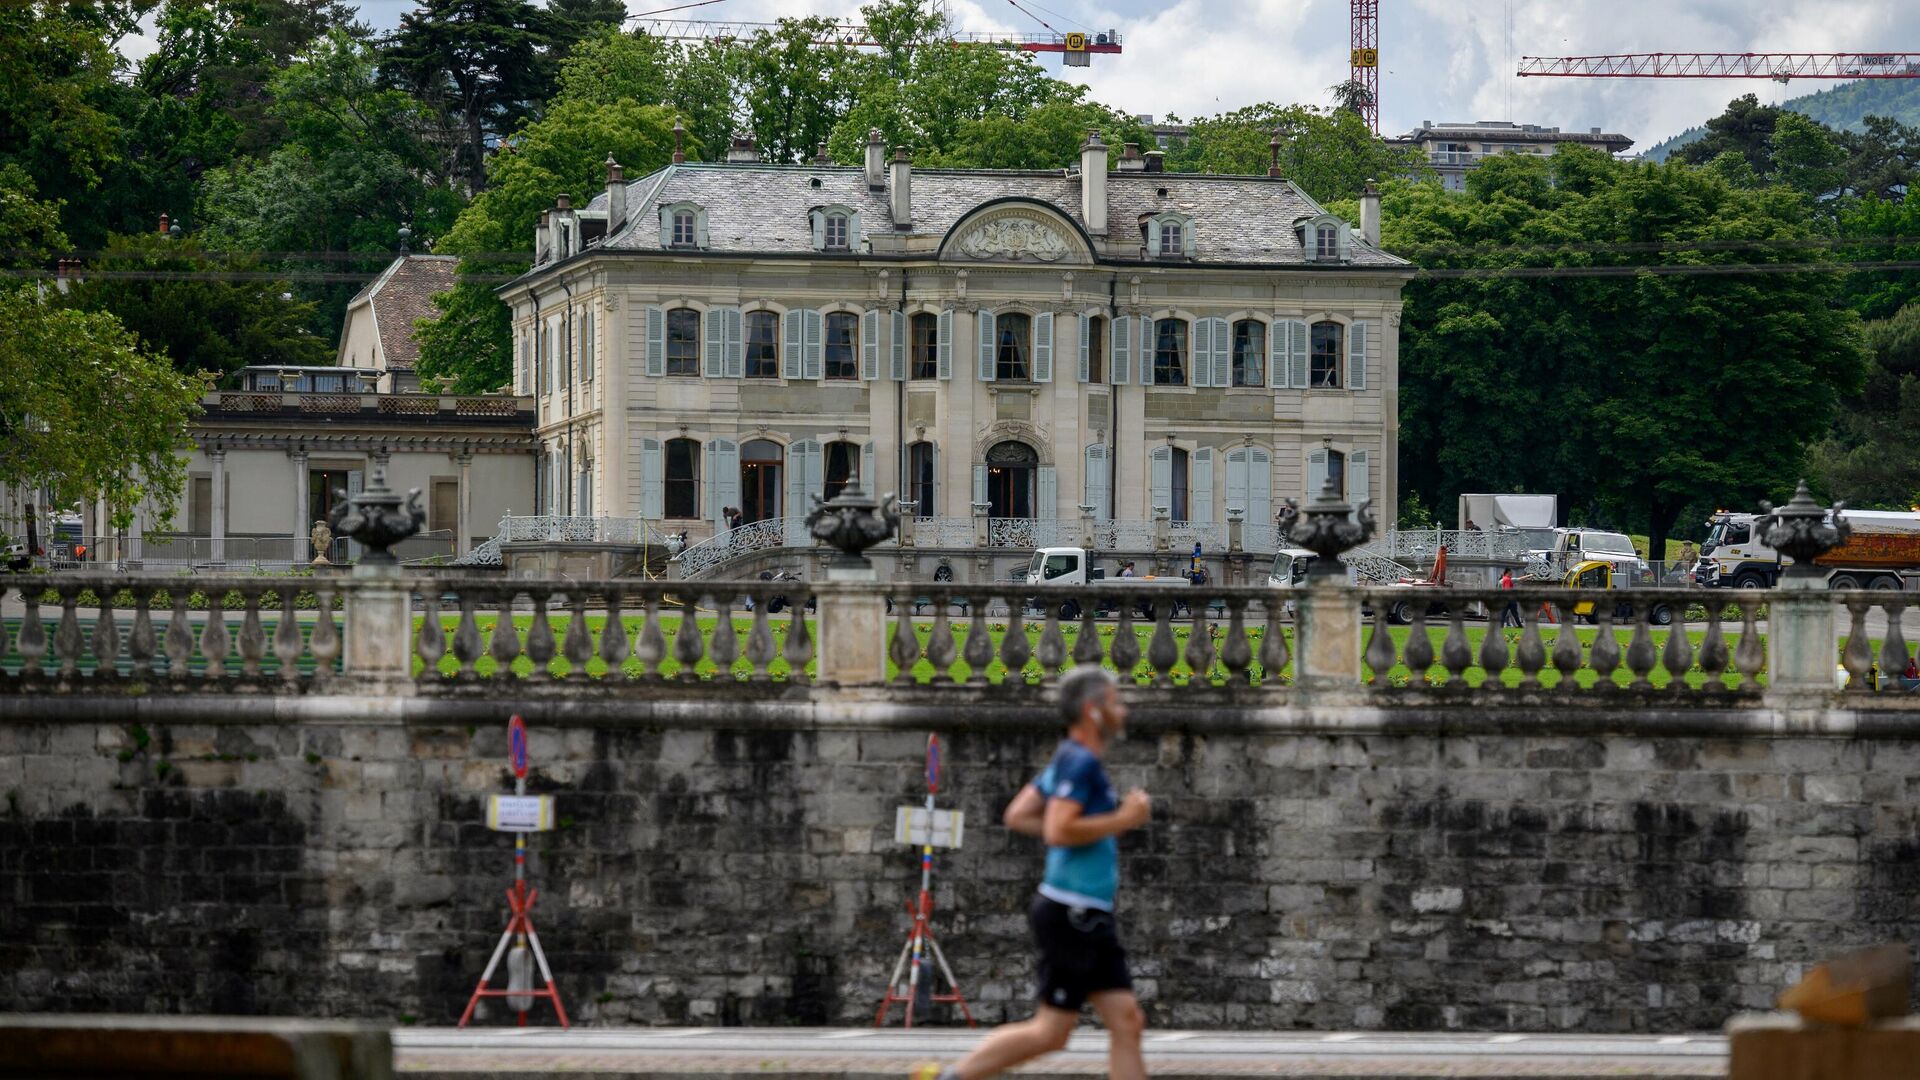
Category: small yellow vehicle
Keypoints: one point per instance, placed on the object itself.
(1606, 575)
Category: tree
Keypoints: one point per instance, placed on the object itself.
(29, 226)
(1330, 153)
(1746, 128)
(1046, 138)
(1640, 395)
(794, 90)
(564, 151)
(481, 65)
(85, 411)
(1872, 459)
(202, 312)
(1805, 156)
(55, 126)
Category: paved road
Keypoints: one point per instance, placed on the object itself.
(870, 1054)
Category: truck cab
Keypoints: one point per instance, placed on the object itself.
(1290, 566)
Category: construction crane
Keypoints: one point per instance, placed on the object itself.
(1076, 49)
(1783, 67)
(1363, 58)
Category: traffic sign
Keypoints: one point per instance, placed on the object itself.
(517, 746)
(933, 764)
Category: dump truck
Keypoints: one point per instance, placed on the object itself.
(1883, 553)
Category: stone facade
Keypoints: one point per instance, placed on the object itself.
(747, 335)
(1508, 873)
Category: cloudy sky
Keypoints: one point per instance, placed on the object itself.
(1440, 59)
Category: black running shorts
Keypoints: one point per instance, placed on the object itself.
(1080, 953)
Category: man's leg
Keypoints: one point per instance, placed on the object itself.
(1121, 1013)
(1011, 1044)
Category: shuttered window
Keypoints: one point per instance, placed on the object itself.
(843, 338)
(682, 479)
(924, 350)
(1324, 362)
(683, 342)
(1249, 352)
(1170, 352)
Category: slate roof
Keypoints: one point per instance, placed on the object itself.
(401, 295)
(753, 209)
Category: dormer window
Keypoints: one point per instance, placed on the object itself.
(683, 225)
(835, 228)
(1323, 238)
(1326, 244)
(1170, 238)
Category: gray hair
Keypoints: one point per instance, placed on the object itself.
(1081, 687)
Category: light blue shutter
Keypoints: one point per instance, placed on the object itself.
(1200, 486)
(1356, 492)
(1200, 370)
(979, 484)
(870, 345)
(1297, 353)
(1222, 353)
(1237, 480)
(1259, 485)
(714, 364)
(815, 323)
(795, 367)
(867, 481)
(736, 359)
(1316, 474)
(1120, 366)
(1086, 347)
(932, 509)
(1147, 344)
(803, 472)
(943, 347)
(586, 348)
(1043, 347)
(526, 364)
(985, 326)
(1099, 494)
(899, 354)
(1160, 469)
(819, 230)
(706, 486)
(1046, 502)
(656, 341)
(652, 479)
(1357, 356)
(700, 229)
(1278, 374)
(723, 478)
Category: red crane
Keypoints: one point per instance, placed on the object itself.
(1780, 66)
(1363, 58)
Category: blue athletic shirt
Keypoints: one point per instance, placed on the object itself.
(1084, 876)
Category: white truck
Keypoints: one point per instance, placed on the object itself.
(1075, 566)
(1883, 552)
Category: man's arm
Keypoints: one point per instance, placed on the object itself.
(1066, 824)
(1024, 813)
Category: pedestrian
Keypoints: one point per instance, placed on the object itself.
(1910, 678)
(1471, 527)
(1126, 569)
(1072, 808)
(1512, 610)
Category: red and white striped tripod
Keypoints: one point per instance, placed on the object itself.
(925, 829)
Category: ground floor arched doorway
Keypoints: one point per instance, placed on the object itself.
(761, 463)
(1011, 470)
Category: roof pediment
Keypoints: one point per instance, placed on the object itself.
(1018, 231)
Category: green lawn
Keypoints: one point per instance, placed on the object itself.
(997, 671)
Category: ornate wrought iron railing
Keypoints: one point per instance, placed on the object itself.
(706, 558)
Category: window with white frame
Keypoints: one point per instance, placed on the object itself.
(1013, 347)
(1249, 352)
(1171, 239)
(1326, 244)
(836, 232)
(763, 345)
(684, 234)
(842, 345)
(1170, 352)
(683, 342)
(1324, 360)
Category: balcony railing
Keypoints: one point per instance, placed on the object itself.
(134, 636)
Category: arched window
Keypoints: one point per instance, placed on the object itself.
(843, 468)
(1012, 469)
(683, 342)
(682, 480)
(1324, 373)
(1249, 353)
(1170, 352)
(842, 345)
(763, 345)
(920, 478)
(1013, 337)
(926, 346)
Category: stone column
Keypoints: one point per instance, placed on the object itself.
(850, 627)
(463, 518)
(300, 552)
(980, 535)
(379, 624)
(1327, 646)
(1162, 529)
(1086, 525)
(1236, 530)
(218, 456)
(1803, 646)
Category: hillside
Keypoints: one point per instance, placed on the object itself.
(1844, 106)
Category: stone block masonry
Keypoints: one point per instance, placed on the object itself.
(744, 873)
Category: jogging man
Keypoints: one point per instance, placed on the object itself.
(1072, 807)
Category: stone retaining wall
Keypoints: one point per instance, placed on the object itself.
(746, 873)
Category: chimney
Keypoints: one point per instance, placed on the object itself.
(1156, 161)
(543, 237)
(679, 141)
(902, 202)
(742, 152)
(1093, 184)
(876, 160)
(616, 195)
(1273, 155)
(820, 155)
(1130, 159)
(163, 224)
(1370, 214)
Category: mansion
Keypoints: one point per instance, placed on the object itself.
(1120, 343)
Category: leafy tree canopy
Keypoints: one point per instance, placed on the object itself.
(1330, 153)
